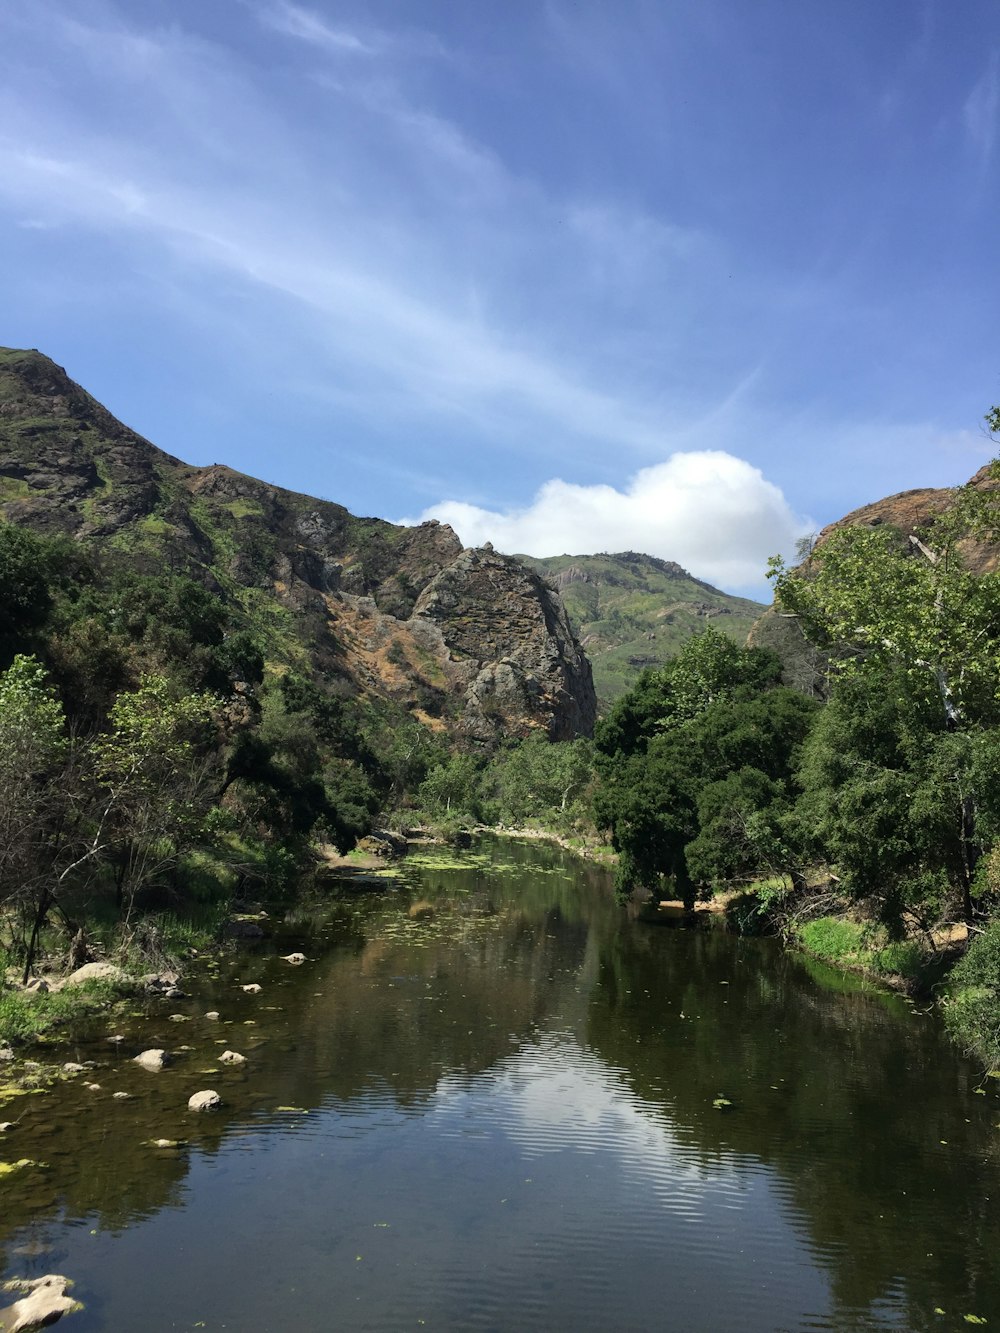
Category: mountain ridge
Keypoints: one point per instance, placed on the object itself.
(469, 641)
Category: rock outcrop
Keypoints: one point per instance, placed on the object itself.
(468, 641)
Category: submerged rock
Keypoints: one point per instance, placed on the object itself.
(153, 1060)
(204, 1101)
(232, 1058)
(213, 1015)
(252, 988)
(293, 957)
(45, 1302)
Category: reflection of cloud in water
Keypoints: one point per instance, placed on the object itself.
(554, 1095)
(624, 1172)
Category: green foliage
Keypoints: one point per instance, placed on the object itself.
(695, 766)
(634, 610)
(540, 782)
(832, 938)
(972, 1007)
(452, 788)
(879, 598)
(25, 594)
(32, 725)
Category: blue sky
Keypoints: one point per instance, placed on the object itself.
(688, 276)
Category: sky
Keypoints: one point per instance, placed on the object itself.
(693, 277)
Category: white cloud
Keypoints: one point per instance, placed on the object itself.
(713, 513)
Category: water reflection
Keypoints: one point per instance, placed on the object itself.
(488, 1101)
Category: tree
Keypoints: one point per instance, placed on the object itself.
(33, 753)
(877, 596)
(912, 634)
(539, 779)
(155, 781)
(712, 712)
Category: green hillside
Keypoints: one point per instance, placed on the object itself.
(632, 611)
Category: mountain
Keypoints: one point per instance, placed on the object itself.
(633, 611)
(467, 641)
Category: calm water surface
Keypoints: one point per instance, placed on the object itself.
(486, 1102)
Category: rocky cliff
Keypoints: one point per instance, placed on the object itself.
(467, 640)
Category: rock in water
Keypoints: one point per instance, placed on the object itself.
(204, 1101)
(153, 1060)
(45, 1302)
(293, 957)
(232, 1058)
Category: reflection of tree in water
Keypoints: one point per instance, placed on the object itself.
(844, 1095)
(403, 1000)
(485, 957)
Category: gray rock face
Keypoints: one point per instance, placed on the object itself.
(204, 1101)
(509, 634)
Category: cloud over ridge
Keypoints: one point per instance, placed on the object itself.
(715, 514)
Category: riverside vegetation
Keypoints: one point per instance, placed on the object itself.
(164, 754)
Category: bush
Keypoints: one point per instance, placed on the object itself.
(972, 1004)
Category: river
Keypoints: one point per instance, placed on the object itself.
(491, 1098)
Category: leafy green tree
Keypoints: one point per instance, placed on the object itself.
(154, 769)
(740, 829)
(912, 635)
(899, 803)
(880, 597)
(713, 711)
(539, 780)
(33, 753)
(453, 788)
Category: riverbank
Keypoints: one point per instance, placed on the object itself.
(918, 966)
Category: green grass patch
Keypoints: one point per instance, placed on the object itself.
(832, 939)
(26, 1018)
(866, 948)
(242, 508)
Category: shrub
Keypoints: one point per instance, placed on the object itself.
(972, 1005)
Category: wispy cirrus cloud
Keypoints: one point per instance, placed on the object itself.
(305, 24)
(981, 113)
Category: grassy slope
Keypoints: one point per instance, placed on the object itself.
(633, 611)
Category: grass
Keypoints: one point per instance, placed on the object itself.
(866, 949)
(30, 1017)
